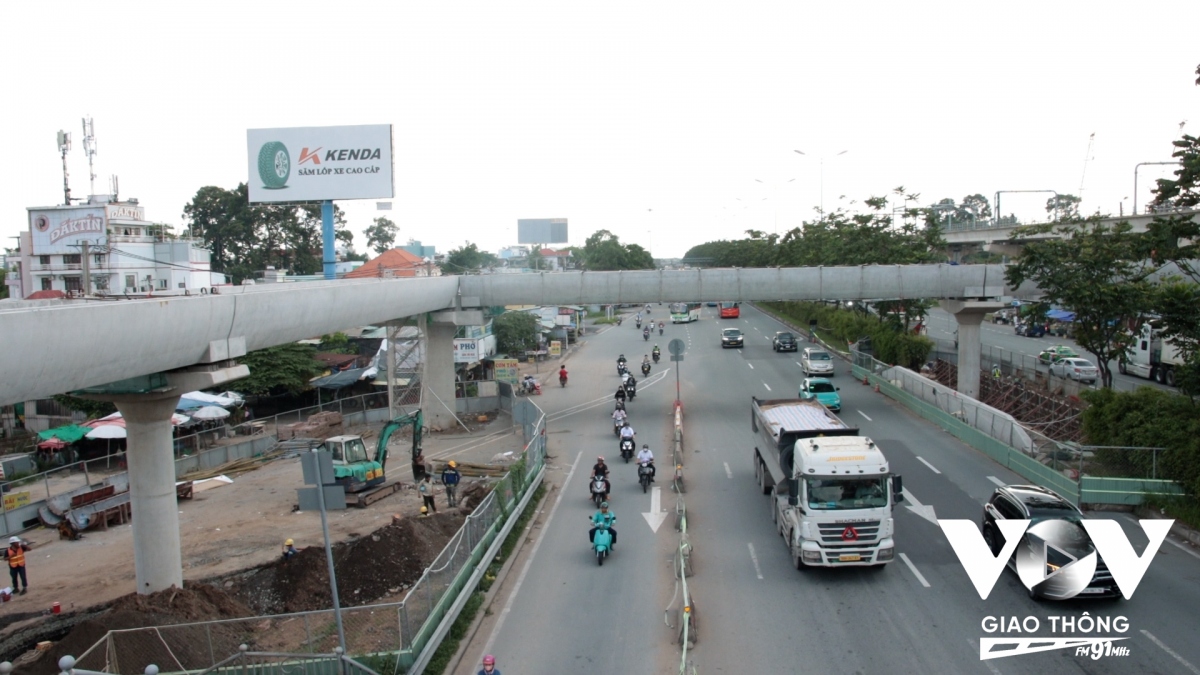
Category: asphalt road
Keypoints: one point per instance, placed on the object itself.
(942, 326)
(756, 613)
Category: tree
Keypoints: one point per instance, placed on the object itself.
(978, 205)
(3, 286)
(516, 332)
(285, 368)
(1095, 271)
(1063, 208)
(382, 235)
(603, 251)
(467, 259)
(535, 260)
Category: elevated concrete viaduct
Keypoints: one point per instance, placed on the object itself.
(144, 353)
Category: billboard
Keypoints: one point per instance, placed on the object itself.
(542, 231)
(60, 230)
(316, 163)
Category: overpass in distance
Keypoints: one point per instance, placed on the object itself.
(999, 237)
(142, 354)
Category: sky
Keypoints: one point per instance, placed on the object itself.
(655, 121)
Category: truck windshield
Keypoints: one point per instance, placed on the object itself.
(833, 494)
(356, 451)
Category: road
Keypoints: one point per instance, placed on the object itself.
(942, 327)
(756, 613)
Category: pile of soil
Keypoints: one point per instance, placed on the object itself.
(370, 568)
(197, 602)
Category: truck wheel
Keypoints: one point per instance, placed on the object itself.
(758, 469)
(774, 510)
(1160, 375)
(1121, 366)
(274, 165)
(762, 480)
(1170, 378)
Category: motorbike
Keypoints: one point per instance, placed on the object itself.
(645, 476)
(637, 324)
(526, 390)
(645, 369)
(646, 335)
(562, 380)
(602, 543)
(617, 424)
(620, 405)
(619, 320)
(626, 449)
(622, 369)
(656, 356)
(660, 330)
(631, 392)
(599, 490)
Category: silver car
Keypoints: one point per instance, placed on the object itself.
(817, 362)
(1075, 369)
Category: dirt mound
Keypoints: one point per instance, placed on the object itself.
(384, 562)
(197, 602)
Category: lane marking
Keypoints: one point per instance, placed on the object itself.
(728, 471)
(751, 365)
(975, 648)
(931, 467)
(798, 363)
(1186, 549)
(1172, 652)
(767, 386)
(997, 481)
(491, 642)
(916, 573)
(757, 569)
(864, 415)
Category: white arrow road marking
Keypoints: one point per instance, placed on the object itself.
(913, 568)
(754, 559)
(923, 510)
(931, 467)
(728, 471)
(656, 516)
(864, 415)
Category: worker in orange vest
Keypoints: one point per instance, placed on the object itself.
(15, 554)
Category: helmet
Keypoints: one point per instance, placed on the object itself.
(424, 509)
(14, 540)
(287, 542)
(604, 505)
(600, 458)
(453, 464)
(489, 660)
(627, 424)
(645, 446)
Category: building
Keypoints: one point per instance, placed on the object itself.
(104, 247)
(397, 262)
(414, 247)
(555, 260)
(512, 252)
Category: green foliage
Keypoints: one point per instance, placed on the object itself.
(93, 409)
(467, 259)
(516, 332)
(285, 368)
(1147, 418)
(337, 343)
(381, 236)
(603, 251)
(1185, 509)
(1096, 271)
(3, 286)
(889, 342)
(1062, 208)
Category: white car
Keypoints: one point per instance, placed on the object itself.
(817, 362)
(1075, 369)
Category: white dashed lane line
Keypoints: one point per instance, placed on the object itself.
(767, 386)
(864, 415)
(931, 467)
(913, 568)
(754, 559)
(997, 481)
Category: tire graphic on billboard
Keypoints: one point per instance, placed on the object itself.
(274, 165)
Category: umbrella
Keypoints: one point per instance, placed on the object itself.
(52, 444)
(210, 412)
(118, 420)
(107, 431)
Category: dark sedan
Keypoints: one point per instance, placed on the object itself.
(732, 337)
(785, 342)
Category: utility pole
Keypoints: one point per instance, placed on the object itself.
(87, 269)
(64, 146)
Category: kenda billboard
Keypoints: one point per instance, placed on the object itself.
(316, 163)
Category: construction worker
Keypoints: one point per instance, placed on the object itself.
(425, 487)
(15, 554)
(996, 372)
(450, 478)
(289, 549)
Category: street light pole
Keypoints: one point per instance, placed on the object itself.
(1135, 178)
(775, 198)
(821, 165)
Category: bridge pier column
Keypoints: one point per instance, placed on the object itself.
(439, 408)
(969, 316)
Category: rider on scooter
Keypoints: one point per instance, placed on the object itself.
(660, 328)
(646, 457)
(656, 352)
(530, 384)
(620, 395)
(604, 518)
(562, 374)
(627, 432)
(619, 416)
(631, 386)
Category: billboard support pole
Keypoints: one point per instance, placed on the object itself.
(327, 238)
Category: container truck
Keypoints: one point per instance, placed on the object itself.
(831, 492)
(1151, 356)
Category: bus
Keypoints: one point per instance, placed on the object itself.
(730, 310)
(685, 312)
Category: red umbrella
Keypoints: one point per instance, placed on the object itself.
(52, 444)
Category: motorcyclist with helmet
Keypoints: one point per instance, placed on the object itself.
(646, 457)
(603, 518)
(489, 666)
(600, 469)
(656, 353)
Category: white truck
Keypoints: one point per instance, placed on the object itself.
(1151, 356)
(831, 492)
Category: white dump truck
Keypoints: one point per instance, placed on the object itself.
(832, 494)
(1151, 356)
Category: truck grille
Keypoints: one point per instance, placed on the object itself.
(831, 534)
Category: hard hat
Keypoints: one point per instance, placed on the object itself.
(489, 660)
(14, 540)
(287, 542)
(453, 464)
(424, 509)
(604, 505)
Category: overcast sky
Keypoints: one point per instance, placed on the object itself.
(649, 119)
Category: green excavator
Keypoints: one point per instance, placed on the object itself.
(362, 477)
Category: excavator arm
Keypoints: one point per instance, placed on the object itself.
(417, 422)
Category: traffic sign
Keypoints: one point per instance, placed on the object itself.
(677, 357)
(676, 346)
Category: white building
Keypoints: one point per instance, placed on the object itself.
(113, 245)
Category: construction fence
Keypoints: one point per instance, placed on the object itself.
(387, 637)
(680, 613)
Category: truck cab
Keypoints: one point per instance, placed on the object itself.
(352, 467)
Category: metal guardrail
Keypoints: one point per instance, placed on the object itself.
(682, 565)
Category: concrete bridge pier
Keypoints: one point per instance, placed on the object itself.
(439, 407)
(969, 316)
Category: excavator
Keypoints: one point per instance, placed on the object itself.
(363, 478)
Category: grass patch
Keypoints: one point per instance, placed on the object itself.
(601, 322)
(1185, 509)
(458, 630)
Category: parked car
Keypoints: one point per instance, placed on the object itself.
(816, 361)
(1004, 316)
(1055, 353)
(1081, 370)
(1070, 544)
(732, 337)
(823, 390)
(784, 342)
(1030, 329)
(711, 304)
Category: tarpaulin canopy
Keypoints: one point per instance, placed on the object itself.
(1060, 315)
(68, 433)
(340, 380)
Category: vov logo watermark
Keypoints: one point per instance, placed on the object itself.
(1053, 560)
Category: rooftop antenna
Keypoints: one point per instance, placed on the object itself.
(89, 146)
(64, 146)
(1086, 158)
(116, 189)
